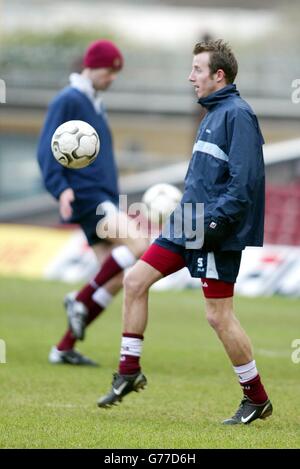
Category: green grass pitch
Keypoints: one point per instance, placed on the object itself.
(191, 383)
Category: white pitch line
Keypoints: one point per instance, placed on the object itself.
(55, 405)
(67, 406)
(273, 353)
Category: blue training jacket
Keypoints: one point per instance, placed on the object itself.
(98, 181)
(226, 171)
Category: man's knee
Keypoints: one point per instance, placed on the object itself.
(133, 284)
(213, 318)
(218, 313)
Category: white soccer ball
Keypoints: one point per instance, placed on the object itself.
(75, 144)
(160, 201)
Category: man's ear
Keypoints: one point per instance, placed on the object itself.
(220, 75)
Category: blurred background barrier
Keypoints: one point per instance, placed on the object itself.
(38, 252)
(63, 254)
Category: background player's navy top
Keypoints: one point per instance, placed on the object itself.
(93, 184)
(226, 171)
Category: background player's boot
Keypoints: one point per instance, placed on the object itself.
(249, 411)
(122, 385)
(69, 357)
(77, 315)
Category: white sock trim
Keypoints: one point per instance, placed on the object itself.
(246, 372)
(102, 297)
(131, 346)
(123, 256)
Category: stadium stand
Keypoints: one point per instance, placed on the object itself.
(282, 222)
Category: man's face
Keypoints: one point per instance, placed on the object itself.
(102, 78)
(201, 78)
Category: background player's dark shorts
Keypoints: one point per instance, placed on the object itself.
(221, 265)
(89, 221)
(88, 224)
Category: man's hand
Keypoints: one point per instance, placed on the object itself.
(65, 200)
(214, 234)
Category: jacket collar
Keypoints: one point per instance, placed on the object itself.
(217, 97)
(84, 85)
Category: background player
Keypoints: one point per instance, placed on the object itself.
(79, 193)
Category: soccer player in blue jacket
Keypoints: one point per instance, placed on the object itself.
(81, 192)
(224, 185)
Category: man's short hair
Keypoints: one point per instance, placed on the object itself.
(221, 57)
